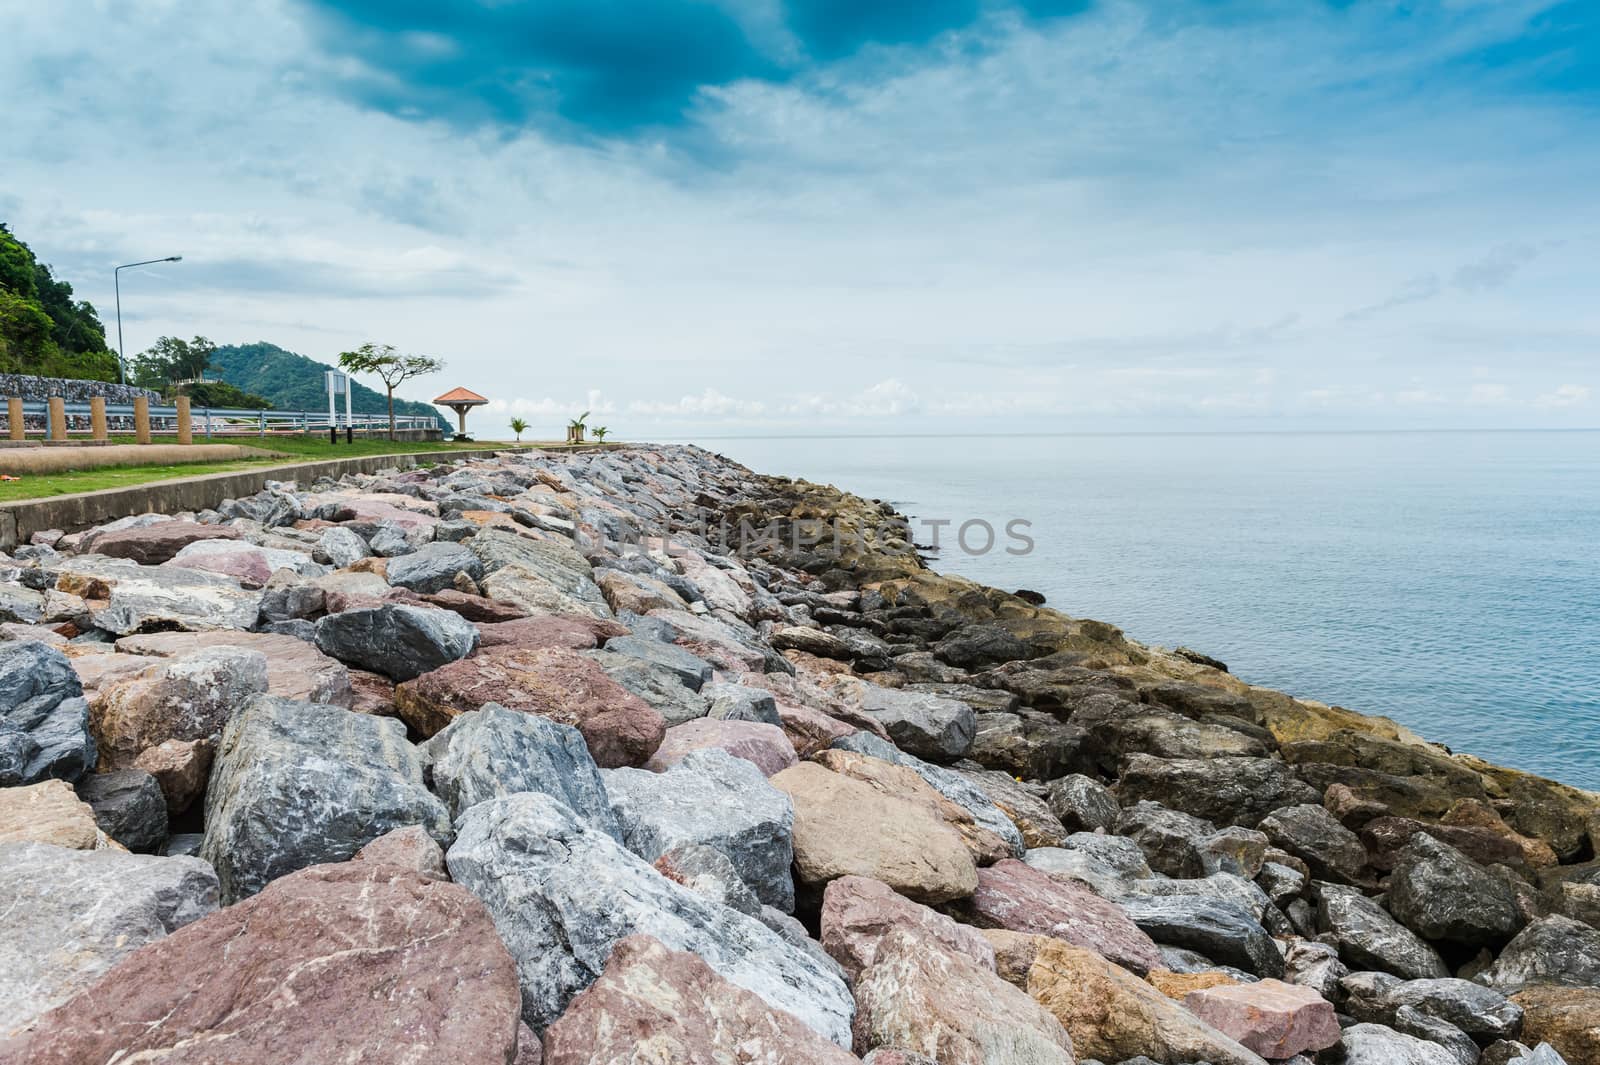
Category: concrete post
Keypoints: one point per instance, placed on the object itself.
(141, 419)
(97, 416)
(58, 418)
(184, 434)
(14, 417)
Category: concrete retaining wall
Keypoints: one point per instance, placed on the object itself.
(20, 520)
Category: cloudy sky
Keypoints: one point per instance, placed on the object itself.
(735, 216)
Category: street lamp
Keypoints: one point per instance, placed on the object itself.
(116, 280)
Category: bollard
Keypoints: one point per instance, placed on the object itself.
(58, 418)
(184, 434)
(14, 417)
(97, 417)
(141, 419)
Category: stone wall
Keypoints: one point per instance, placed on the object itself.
(34, 389)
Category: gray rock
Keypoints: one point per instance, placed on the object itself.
(1409, 1020)
(1169, 838)
(389, 541)
(657, 684)
(562, 895)
(184, 845)
(1368, 938)
(19, 603)
(159, 598)
(1223, 887)
(290, 597)
(1314, 965)
(1219, 930)
(544, 575)
(1282, 883)
(128, 806)
(1312, 834)
(298, 784)
(1551, 950)
(952, 785)
(1440, 893)
(1481, 1012)
(708, 873)
(340, 547)
(433, 567)
(397, 640)
(717, 800)
(1374, 1044)
(1083, 804)
(1235, 850)
(1224, 790)
(485, 754)
(692, 672)
(1543, 1054)
(925, 725)
(70, 915)
(44, 720)
(736, 702)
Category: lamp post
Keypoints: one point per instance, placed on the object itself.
(116, 280)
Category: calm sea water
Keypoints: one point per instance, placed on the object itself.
(1448, 580)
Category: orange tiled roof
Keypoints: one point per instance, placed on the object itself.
(460, 395)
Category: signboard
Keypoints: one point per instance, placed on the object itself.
(337, 383)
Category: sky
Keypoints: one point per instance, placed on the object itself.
(725, 217)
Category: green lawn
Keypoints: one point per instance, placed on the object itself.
(292, 449)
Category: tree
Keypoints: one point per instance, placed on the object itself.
(170, 360)
(389, 366)
(222, 394)
(600, 432)
(519, 427)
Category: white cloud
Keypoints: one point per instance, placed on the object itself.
(1565, 396)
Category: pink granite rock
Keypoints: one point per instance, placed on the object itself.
(857, 913)
(1020, 898)
(765, 745)
(655, 1004)
(1272, 1018)
(571, 631)
(150, 545)
(360, 961)
(409, 848)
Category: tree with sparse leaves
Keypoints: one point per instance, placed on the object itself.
(390, 367)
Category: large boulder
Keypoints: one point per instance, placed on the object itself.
(563, 895)
(128, 806)
(904, 783)
(1112, 1015)
(250, 564)
(295, 668)
(539, 576)
(921, 723)
(1312, 834)
(947, 782)
(399, 641)
(298, 784)
(657, 684)
(1083, 804)
(1020, 898)
(185, 699)
(1225, 791)
(432, 567)
(153, 544)
(564, 686)
(846, 827)
(70, 915)
(1552, 950)
(1272, 1018)
(1220, 930)
(858, 913)
(764, 745)
(485, 754)
(361, 961)
(1481, 1012)
(713, 799)
(1376, 1044)
(674, 1007)
(49, 812)
(1440, 894)
(1568, 1018)
(125, 597)
(1368, 938)
(919, 995)
(44, 719)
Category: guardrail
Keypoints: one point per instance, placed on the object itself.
(38, 419)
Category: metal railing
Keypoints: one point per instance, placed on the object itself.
(211, 421)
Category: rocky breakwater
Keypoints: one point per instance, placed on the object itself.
(641, 756)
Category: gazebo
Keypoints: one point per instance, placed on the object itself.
(461, 400)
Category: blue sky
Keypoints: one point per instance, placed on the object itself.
(730, 216)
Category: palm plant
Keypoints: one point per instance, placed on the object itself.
(600, 433)
(576, 427)
(518, 426)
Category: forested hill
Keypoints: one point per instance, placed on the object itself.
(295, 382)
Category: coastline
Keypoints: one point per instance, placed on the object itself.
(1103, 829)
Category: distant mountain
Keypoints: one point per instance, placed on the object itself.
(295, 382)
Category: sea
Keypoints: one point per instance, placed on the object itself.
(1448, 580)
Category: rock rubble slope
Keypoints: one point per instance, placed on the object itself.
(639, 756)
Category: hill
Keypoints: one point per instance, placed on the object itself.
(295, 382)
